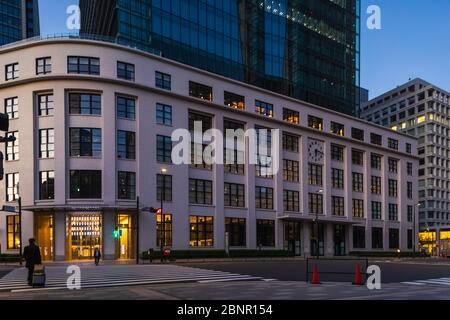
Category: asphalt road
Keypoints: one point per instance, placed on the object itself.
(391, 272)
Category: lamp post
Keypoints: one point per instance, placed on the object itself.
(162, 223)
(19, 202)
(320, 191)
(137, 229)
(414, 228)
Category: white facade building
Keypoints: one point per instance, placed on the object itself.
(93, 122)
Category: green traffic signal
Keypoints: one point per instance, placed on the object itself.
(116, 233)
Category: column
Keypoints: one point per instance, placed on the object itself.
(59, 236)
(109, 243)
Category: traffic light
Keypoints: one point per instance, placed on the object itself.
(116, 233)
(155, 210)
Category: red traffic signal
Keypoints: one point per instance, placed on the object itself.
(156, 210)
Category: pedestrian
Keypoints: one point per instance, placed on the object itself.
(97, 256)
(32, 256)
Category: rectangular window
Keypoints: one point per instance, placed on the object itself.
(393, 165)
(200, 192)
(85, 142)
(125, 71)
(290, 171)
(85, 184)
(358, 208)
(265, 233)
(410, 213)
(358, 134)
(83, 65)
(315, 175)
(358, 182)
(376, 210)
(290, 143)
(393, 212)
(359, 237)
(393, 188)
(375, 161)
(393, 144)
(264, 166)
(234, 195)
(12, 147)
(358, 157)
(315, 123)
(337, 178)
(408, 148)
(200, 91)
(201, 231)
(11, 71)
(46, 106)
(12, 183)
(337, 153)
(85, 104)
(163, 114)
(197, 158)
(264, 198)
(236, 228)
(126, 145)
(291, 116)
(337, 206)
(376, 185)
(234, 101)
(337, 128)
(264, 108)
(164, 227)
(409, 239)
(13, 232)
(126, 108)
(164, 149)
(376, 139)
(47, 185)
(164, 187)
(394, 239)
(163, 80)
(409, 190)
(46, 143)
(43, 65)
(12, 108)
(315, 203)
(234, 159)
(377, 238)
(126, 185)
(409, 169)
(291, 201)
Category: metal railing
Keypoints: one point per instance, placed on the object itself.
(78, 36)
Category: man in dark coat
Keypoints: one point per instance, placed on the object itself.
(32, 256)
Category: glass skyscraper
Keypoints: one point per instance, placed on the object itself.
(306, 49)
(19, 19)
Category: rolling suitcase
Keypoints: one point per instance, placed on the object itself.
(39, 277)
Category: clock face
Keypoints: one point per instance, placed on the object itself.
(315, 151)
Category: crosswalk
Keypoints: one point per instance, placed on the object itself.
(115, 276)
(439, 282)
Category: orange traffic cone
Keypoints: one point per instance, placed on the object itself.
(358, 277)
(315, 279)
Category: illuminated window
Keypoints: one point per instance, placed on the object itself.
(337, 128)
(164, 229)
(394, 128)
(201, 231)
(403, 125)
(315, 123)
(431, 116)
(421, 119)
(291, 116)
(13, 230)
(233, 100)
(264, 108)
(200, 91)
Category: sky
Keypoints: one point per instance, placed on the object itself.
(414, 41)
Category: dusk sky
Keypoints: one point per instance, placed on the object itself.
(414, 41)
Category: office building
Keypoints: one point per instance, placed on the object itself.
(19, 19)
(94, 120)
(308, 50)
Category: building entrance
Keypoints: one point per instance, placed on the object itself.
(84, 235)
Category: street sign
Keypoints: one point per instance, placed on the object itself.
(9, 209)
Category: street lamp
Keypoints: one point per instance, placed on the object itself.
(162, 223)
(19, 202)
(320, 191)
(414, 227)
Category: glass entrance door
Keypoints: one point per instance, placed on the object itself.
(292, 237)
(124, 244)
(43, 230)
(84, 235)
(317, 239)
